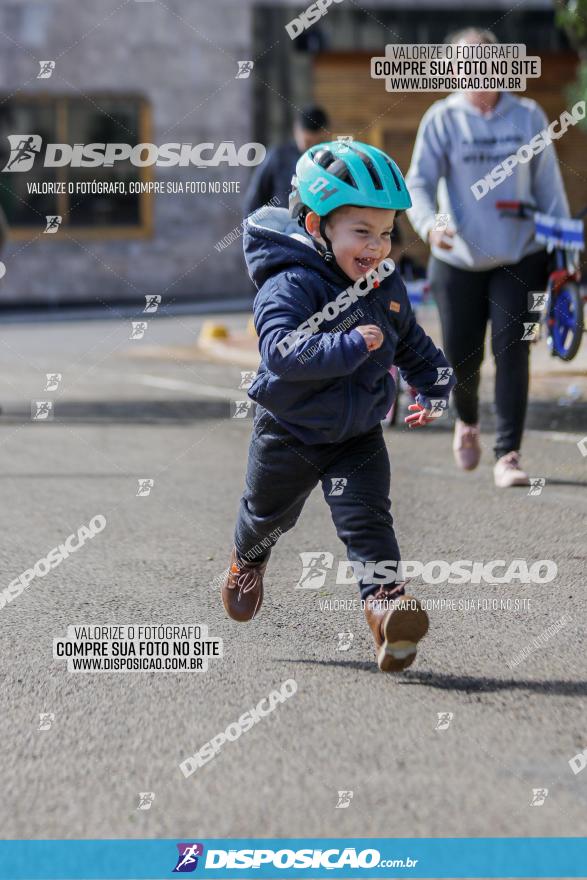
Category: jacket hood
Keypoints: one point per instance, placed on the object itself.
(273, 243)
(506, 103)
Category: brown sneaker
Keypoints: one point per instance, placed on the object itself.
(397, 623)
(242, 590)
(466, 445)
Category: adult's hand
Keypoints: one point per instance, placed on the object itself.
(441, 238)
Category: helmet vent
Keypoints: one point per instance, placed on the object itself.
(337, 167)
(340, 169)
(377, 183)
(394, 175)
(324, 158)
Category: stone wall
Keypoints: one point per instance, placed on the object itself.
(182, 59)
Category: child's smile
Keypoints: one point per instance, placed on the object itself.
(365, 263)
(360, 237)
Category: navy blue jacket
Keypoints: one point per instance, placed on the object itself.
(329, 387)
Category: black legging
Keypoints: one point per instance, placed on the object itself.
(466, 301)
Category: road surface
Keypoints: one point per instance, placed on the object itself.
(118, 419)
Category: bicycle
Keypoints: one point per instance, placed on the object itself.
(562, 306)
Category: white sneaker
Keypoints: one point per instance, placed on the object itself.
(507, 471)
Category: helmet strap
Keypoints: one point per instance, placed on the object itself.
(327, 252)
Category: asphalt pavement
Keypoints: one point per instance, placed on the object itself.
(465, 743)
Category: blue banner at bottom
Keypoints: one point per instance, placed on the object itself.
(293, 857)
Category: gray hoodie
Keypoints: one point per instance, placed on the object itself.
(457, 145)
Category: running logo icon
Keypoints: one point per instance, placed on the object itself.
(46, 719)
(443, 375)
(53, 381)
(441, 222)
(578, 762)
(152, 302)
(146, 798)
(47, 68)
(244, 69)
(247, 378)
(137, 330)
(530, 332)
(242, 409)
(314, 567)
(537, 301)
(145, 487)
(345, 640)
(42, 410)
(24, 148)
(344, 800)
(187, 860)
(344, 140)
(53, 223)
(437, 407)
(444, 719)
(537, 484)
(338, 484)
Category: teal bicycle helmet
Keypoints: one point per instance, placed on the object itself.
(337, 173)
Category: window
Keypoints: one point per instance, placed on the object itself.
(69, 120)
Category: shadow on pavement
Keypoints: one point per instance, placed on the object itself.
(471, 683)
(467, 683)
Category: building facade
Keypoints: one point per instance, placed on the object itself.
(167, 71)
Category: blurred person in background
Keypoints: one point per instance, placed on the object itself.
(272, 179)
(482, 266)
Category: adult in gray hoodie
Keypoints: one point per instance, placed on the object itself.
(483, 266)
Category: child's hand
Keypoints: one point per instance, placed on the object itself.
(372, 335)
(419, 418)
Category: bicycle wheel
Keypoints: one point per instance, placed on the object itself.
(566, 331)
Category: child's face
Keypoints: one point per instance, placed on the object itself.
(360, 237)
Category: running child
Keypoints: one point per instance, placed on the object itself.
(332, 317)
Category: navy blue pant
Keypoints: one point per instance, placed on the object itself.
(281, 473)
